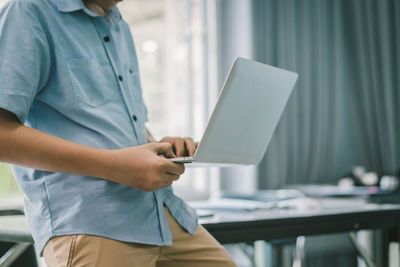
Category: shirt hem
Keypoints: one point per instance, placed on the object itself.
(41, 245)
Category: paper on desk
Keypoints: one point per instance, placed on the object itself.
(231, 204)
(303, 203)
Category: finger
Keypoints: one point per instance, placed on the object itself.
(164, 149)
(190, 146)
(169, 177)
(169, 140)
(174, 168)
(179, 144)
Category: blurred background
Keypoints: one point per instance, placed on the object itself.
(344, 111)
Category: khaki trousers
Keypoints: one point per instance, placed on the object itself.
(199, 250)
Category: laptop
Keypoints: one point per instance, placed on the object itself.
(246, 114)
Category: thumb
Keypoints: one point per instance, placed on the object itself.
(164, 149)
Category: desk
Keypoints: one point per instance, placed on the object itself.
(333, 216)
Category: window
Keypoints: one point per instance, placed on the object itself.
(171, 42)
(8, 187)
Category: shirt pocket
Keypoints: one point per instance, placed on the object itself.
(92, 80)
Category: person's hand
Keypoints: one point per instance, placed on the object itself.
(145, 167)
(182, 147)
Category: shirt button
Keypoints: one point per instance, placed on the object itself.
(130, 71)
(134, 117)
(120, 78)
(106, 39)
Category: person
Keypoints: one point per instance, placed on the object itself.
(72, 122)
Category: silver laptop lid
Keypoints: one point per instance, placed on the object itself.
(246, 114)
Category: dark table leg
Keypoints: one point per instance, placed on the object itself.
(385, 241)
(19, 255)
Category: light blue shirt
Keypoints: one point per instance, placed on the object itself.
(69, 72)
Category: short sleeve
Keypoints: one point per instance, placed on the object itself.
(24, 57)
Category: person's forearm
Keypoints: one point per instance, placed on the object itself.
(143, 167)
(21, 145)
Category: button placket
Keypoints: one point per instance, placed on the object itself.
(111, 53)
